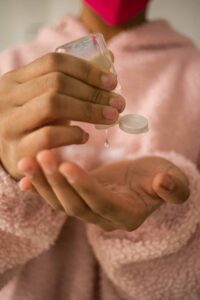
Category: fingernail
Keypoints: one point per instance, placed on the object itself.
(22, 166)
(109, 81)
(110, 113)
(22, 189)
(118, 103)
(48, 165)
(168, 183)
(49, 169)
(30, 174)
(71, 178)
(21, 186)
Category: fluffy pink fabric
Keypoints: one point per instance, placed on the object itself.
(159, 70)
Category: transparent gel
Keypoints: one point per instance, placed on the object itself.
(106, 143)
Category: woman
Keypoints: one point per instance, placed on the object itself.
(117, 231)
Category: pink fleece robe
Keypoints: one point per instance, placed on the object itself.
(44, 255)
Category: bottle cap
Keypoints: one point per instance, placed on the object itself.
(132, 123)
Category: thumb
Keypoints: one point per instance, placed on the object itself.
(170, 188)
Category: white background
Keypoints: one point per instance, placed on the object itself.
(20, 19)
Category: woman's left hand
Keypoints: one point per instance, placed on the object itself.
(116, 196)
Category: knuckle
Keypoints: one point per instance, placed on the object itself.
(54, 82)
(96, 96)
(47, 137)
(51, 97)
(49, 105)
(89, 111)
(105, 210)
(105, 98)
(52, 61)
(87, 69)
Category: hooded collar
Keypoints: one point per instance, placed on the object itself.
(153, 34)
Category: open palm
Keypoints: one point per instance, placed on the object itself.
(120, 195)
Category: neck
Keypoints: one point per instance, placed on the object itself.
(95, 24)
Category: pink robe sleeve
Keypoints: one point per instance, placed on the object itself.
(28, 226)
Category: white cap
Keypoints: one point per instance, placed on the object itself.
(132, 123)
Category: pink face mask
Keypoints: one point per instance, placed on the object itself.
(116, 12)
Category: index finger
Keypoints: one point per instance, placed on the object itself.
(69, 65)
(100, 200)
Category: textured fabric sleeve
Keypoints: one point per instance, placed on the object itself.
(28, 226)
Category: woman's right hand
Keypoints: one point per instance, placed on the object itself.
(38, 101)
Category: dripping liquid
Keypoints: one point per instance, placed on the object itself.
(106, 143)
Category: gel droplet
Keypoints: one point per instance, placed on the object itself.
(106, 143)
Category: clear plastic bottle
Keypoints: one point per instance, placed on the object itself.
(93, 48)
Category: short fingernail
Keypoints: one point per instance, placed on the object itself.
(66, 171)
(168, 184)
(28, 171)
(23, 187)
(109, 81)
(110, 113)
(118, 103)
(30, 174)
(70, 178)
(21, 166)
(48, 164)
(49, 168)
